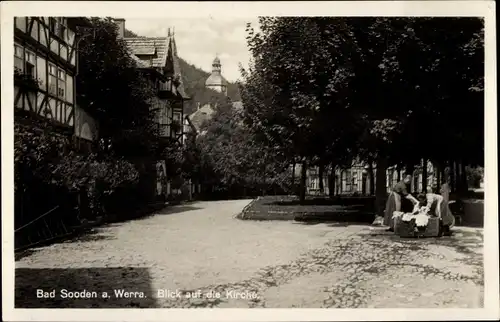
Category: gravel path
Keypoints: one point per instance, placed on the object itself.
(198, 255)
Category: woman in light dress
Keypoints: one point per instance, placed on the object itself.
(438, 206)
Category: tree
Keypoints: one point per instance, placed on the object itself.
(232, 160)
(336, 89)
(296, 91)
(405, 79)
(116, 93)
(121, 97)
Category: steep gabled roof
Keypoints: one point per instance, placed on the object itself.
(176, 66)
(157, 47)
(161, 52)
(201, 115)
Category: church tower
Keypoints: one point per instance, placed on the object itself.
(215, 81)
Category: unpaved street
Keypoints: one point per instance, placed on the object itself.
(201, 248)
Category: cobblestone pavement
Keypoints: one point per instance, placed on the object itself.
(188, 255)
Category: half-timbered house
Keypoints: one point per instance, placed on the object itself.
(157, 58)
(45, 66)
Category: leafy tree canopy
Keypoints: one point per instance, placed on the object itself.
(116, 93)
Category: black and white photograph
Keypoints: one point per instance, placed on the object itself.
(329, 159)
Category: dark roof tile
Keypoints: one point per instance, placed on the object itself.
(148, 46)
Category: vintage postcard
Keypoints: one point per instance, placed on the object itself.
(257, 161)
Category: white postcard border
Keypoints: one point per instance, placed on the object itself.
(485, 9)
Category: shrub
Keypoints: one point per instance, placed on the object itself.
(49, 158)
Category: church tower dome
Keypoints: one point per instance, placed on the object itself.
(215, 81)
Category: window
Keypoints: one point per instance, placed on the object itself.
(30, 68)
(311, 183)
(52, 25)
(71, 36)
(57, 26)
(176, 124)
(61, 32)
(177, 117)
(342, 181)
(61, 84)
(348, 180)
(354, 182)
(52, 79)
(64, 52)
(69, 88)
(57, 81)
(20, 23)
(18, 58)
(18, 51)
(34, 30)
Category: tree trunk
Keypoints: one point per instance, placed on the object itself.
(372, 178)
(452, 175)
(399, 173)
(465, 185)
(331, 182)
(264, 187)
(424, 175)
(437, 170)
(381, 189)
(293, 177)
(321, 171)
(458, 177)
(303, 177)
(461, 187)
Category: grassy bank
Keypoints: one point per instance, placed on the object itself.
(352, 209)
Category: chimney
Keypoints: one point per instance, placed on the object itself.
(120, 22)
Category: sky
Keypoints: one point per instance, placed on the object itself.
(199, 39)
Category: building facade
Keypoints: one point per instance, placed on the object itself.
(355, 180)
(45, 99)
(45, 67)
(157, 58)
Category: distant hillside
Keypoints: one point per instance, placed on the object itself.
(194, 79)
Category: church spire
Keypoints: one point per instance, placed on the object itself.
(216, 65)
(215, 81)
